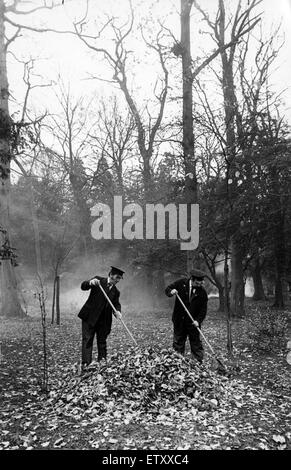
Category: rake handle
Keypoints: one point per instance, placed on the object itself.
(114, 309)
(192, 319)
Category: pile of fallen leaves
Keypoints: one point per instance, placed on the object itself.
(149, 398)
(146, 381)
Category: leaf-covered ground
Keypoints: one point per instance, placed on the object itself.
(142, 398)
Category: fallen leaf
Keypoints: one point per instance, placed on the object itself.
(279, 439)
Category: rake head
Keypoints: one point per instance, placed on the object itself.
(222, 370)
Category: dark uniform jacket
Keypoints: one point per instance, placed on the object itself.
(97, 307)
(197, 304)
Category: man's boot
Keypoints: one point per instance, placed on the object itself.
(102, 352)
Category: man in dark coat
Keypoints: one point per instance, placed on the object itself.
(195, 298)
(96, 313)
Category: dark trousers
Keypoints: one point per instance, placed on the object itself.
(181, 332)
(88, 334)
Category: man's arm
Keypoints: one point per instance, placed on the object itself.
(172, 287)
(203, 308)
(116, 302)
(117, 305)
(86, 285)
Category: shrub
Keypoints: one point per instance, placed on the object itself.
(266, 329)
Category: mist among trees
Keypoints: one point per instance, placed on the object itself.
(206, 126)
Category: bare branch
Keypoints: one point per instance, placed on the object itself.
(13, 8)
(245, 27)
(10, 40)
(33, 28)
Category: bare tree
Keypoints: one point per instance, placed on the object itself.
(246, 103)
(71, 133)
(190, 73)
(113, 138)
(62, 248)
(241, 24)
(117, 60)
(10, 305)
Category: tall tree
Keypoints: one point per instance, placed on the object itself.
(190, 71)
(113, 139)
(70, 130)
(10, 304)
(243, 21)
(147, 126)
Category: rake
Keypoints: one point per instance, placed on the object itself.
(221, 368)
(114, 309)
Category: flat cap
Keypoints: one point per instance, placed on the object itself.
(115, 270)
(197, 273)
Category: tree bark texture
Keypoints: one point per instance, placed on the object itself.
(58, 310)
(10, 304)
(191, 190)
(230, 115)
(237, 280)
(259, 293)
(280, 256)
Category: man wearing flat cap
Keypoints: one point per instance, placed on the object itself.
(96, 313)
(195, 298)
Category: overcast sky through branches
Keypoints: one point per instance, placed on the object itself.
(60, 56)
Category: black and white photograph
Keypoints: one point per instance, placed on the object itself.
(145, 229)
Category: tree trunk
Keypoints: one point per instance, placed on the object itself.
(221, 307)
(188, 134)
(270, 287)
(279, 297)
(54, 301)
(58, 311)
(147, 176)
(218, 281)
(38, 262)
(280, 257)
(237, 280)
(191, 190)
(228, 313)
(10, 304)
(259, 293)
(230, 115)
(285, 288)
(83, 211)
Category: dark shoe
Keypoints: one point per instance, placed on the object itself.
(180, 352)
(197, 358)
(102, 361)
(84, 368)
